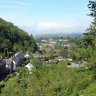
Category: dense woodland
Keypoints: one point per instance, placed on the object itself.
(55, 79)
(13, 39)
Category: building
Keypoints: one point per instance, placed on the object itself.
(27, 55)
(59, 58)
(18, 58)
(9, 65)
(13, 63)
(29, 66)
(2, 66)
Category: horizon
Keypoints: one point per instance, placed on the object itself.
(47, 17)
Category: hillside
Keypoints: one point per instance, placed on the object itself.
(13, 38)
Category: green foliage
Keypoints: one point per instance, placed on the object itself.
(50, 54)
(14, 38)
(90, 90)
(48, 80)
(89, 39)
(76, 40)
(64, 52)
(54, 79)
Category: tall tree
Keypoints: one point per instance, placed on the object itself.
(90, 36)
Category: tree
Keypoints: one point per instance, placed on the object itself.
(90, 36)
(64, 52)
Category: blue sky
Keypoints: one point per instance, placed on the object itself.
(47, 16)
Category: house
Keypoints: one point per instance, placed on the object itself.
(29, 66)
(18, 58)
(9, 65)
(2, 66)
(69, 59)
(27, 56)
(74, 65)
(59, 58)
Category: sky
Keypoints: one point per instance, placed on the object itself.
(47, 16)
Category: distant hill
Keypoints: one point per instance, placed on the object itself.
(72, 35)
(14, 39)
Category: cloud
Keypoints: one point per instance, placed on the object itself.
(20, 4)
(16, 2)
(53, 27)
(13, 2)
(8, 6)
(44, 26)
(56, 26)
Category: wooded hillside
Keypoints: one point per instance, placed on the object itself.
(13, 38)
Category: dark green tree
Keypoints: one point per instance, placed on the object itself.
(90, 36)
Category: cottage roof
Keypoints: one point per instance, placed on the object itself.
(8, 61)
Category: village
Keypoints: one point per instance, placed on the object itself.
(47, 48)
(50, 51)
(58, 49)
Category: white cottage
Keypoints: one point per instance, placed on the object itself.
(18, 58)
(27, 56)
(29, 66)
